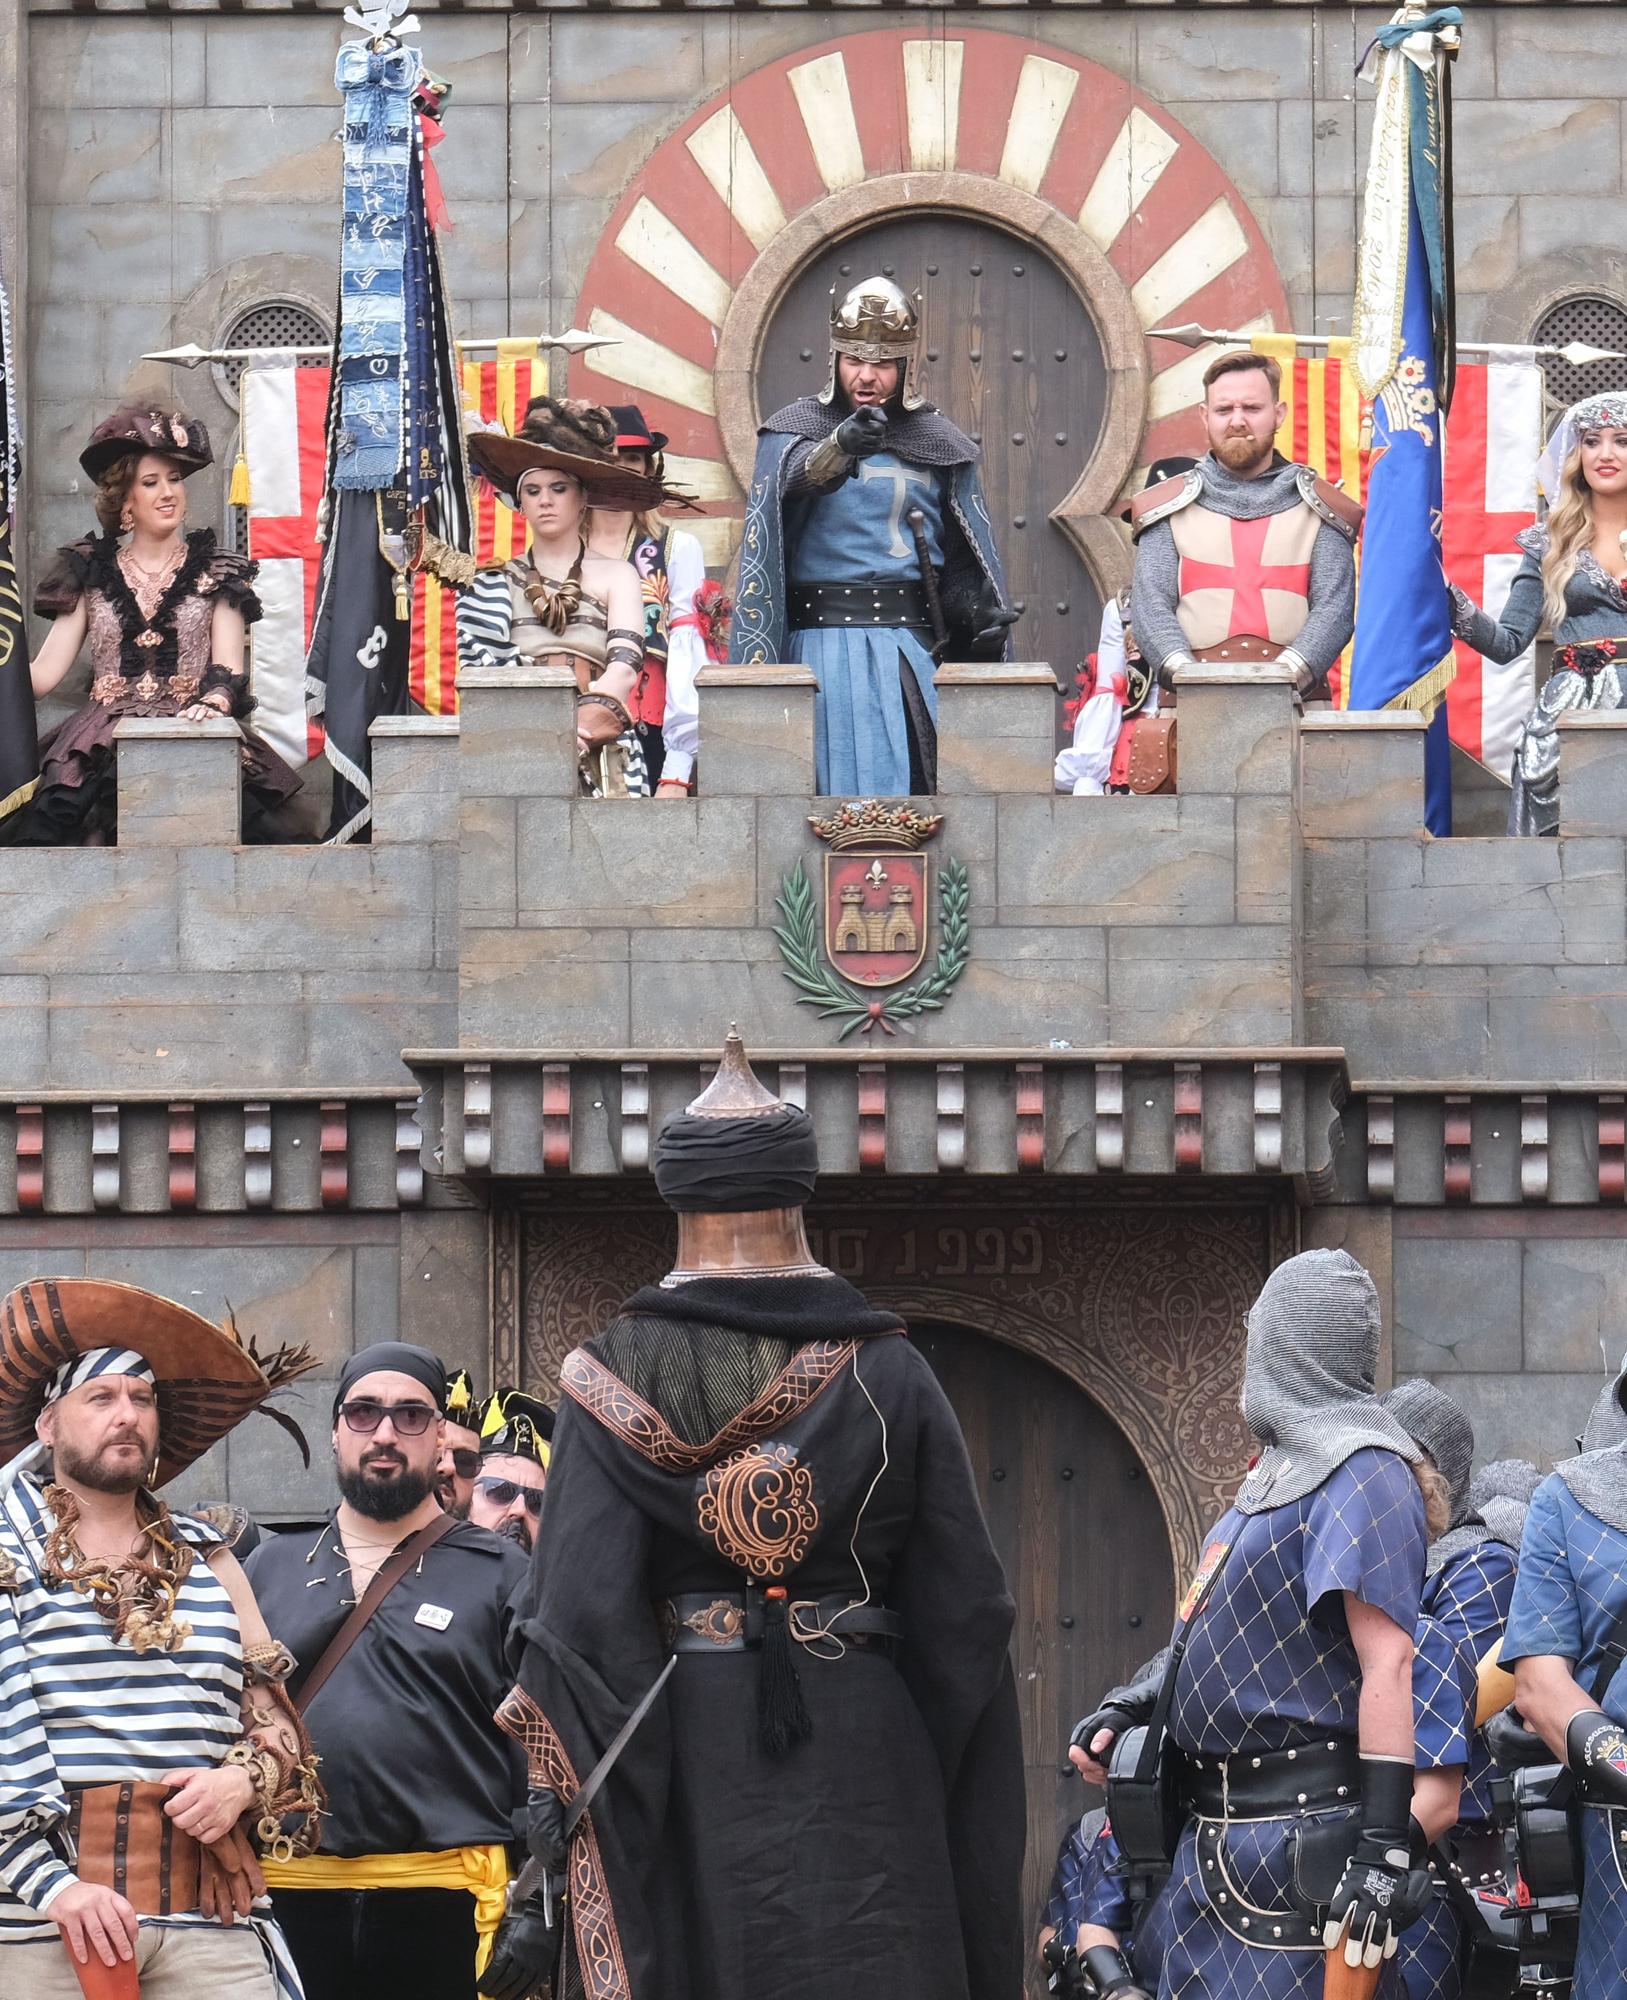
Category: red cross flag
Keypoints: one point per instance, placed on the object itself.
(1493, 440)
(284, 428)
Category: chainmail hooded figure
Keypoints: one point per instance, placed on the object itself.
(1308, 1378)
(1441, 1428)
(1599, 1477)
(1500, 1495)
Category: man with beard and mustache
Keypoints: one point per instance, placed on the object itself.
(1248, 559)
(869, 554)
(507, 1498)
(407, 1893)
(145, 1738)
(458, 1465)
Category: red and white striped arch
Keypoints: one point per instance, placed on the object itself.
(716, 193)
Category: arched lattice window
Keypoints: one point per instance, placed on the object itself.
(1596, 320)
(275, 323)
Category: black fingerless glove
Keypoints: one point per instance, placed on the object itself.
(523, 1951)
(1107, 1971)
(1596, 1750)
(1380, 1892)
(1107, 1717)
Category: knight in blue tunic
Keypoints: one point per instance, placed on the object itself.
(1120, 1942)
(1565, 1642)
(1291, 1720)
(868, 554)
(1468, 1586)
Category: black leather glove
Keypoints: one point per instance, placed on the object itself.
(1513, 1747)
(1107, 1971)
(864, 432)
(1110, 1717)
(1596, 1750)
(545, 1830)
(523, 1951)
(1380, 1892)
(991, 621)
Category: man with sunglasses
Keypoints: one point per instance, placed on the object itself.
(407, 1891)
(458, 1466)
(514, 1433)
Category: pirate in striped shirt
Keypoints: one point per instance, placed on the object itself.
(147, 1751)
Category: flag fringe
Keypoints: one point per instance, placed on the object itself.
(1428, 692)
(20, 797)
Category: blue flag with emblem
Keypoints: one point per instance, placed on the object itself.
(1402, 351)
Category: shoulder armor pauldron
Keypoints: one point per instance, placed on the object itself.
(1326, 500)
(1164, 499)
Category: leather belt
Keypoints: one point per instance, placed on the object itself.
(885, 601)
(731, 1621)
(123, 1839)
(1275, 1783)
(1246, 649)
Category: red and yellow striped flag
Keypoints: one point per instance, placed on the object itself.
(1324, 430)
(498, 392)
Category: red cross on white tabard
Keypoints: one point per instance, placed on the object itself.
(1248, 576)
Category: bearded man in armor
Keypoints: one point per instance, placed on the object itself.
(1247, 559)
(869, 554)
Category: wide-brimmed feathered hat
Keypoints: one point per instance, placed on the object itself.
(207, 1377)
(560, 437)
(132, 430)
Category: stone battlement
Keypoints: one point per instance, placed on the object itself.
(1285, 898)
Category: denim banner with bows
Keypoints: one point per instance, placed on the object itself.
(377, 84)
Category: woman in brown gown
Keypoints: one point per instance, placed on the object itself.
(166, 617)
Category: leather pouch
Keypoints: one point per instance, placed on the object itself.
(1319, 1852)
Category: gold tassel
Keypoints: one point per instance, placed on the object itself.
(1428, 692)
(239, 494)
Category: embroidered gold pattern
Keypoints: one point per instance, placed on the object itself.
(593, 1917)
(809, 1372)
(758, 1507)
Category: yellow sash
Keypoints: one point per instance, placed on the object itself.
(482, 1871)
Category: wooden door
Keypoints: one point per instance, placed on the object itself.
(1012, 356)
(1079, 1530)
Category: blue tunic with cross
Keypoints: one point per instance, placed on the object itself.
(1269, 1665)
(858, 530)
(1465, 1609)
(1571, 1585)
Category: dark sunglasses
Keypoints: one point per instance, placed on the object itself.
(465, 1463)
(411, 1420)
(502, 1492)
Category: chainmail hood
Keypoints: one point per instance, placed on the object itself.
(1273, 492)
(1439, 1426)
(1607, 1421)
(1313, 1339)
(1500, 1494)
(920, 437)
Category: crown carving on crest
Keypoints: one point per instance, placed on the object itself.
(870, 823)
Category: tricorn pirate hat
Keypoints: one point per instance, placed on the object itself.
(515, 1425)
(133, 429)
(208, 1378)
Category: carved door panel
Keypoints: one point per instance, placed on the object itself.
(1011, 355)
(1078, 1527)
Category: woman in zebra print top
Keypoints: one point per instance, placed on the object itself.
(561, 604)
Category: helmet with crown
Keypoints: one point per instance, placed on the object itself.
(877, 321)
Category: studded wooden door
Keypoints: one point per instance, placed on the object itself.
(1011, 354)
(1078, 1528)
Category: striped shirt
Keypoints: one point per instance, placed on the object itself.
(78, 1708)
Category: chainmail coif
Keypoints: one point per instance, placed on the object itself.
(1313, 1339)
(1440, 1427)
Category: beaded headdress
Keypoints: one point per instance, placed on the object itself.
(1606, 412)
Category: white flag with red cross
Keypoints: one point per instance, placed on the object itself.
(1493, 441)
(284, 432)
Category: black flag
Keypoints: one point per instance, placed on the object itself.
(356, 669)
(19, 742)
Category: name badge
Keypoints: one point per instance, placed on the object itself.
(435, 1616)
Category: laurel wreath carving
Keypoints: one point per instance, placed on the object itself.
(836, 999)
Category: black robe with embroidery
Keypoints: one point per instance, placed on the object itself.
(780, 1429)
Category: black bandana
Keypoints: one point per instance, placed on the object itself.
(730, 1166)
(394, 1357)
